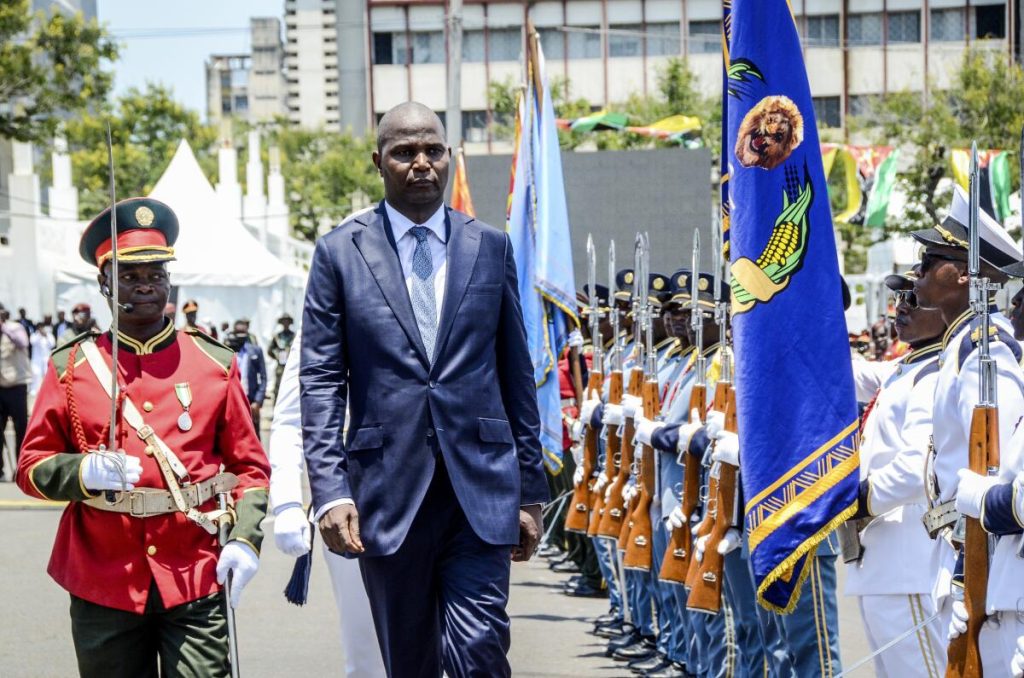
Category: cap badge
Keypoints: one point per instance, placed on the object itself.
(144, 216)
(702, 284)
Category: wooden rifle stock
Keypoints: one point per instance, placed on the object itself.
(611, 451)
(577, 519)
(706, 587)
(614, 509)
(676, 562)
(639, 539)
(963, 654)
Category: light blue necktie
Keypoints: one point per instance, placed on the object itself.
(424, 304)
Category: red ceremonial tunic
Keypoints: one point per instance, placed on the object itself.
(111, 558)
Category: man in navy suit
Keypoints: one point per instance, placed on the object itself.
(412, 321)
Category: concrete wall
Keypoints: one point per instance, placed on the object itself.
(612, 195)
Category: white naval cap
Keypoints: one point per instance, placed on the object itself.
(997, 247)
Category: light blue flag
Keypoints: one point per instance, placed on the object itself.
(538, 225)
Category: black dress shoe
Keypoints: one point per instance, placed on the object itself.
(585, 590)
(574, 580)
(605, 618)
(645, 649)
(658, 661)
(566, 567)
(549, 551)
(673, 670)
(627, 639)
(615, 629)
(555, 560)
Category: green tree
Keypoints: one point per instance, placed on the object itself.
(146, 127)
(983, 104)
(323, 172)
(49, 66)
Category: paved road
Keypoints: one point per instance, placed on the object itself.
(550, 636)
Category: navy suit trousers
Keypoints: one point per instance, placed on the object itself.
(439, 601)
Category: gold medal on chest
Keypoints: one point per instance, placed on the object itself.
(184, 393)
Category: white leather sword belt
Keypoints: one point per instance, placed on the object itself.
(143, 502)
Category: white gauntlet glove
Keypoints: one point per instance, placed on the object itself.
(970, 492)
(715, 423)
(629, 491)
(576, 429)
(104, 471)
(587, 409)
(727, 448)
(575, 339)
(1017, 663)
(645, 429)
(577, 476)
(730, 542)
(958, 622)
(677, 518)
(613, 415)
(632, 406)
(687, 430)
(699, 546)
(242, 562)
(291, 530)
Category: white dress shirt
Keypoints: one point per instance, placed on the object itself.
(406, 242)
(287, 464)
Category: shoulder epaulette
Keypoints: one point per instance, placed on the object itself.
(996, 333)
(930, 368)
(60, 354)
(218, 352)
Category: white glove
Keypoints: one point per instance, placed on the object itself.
(602, 482)
(576, 430)
(645, 428)
(291, 531)
(715, 422)
(587, 409)
(699, 546)
(575, 339)
(613, 415)
(577, 476)
(629, 491)
(687, 430)
(727, 448)
(958, 622)
(242, 562)
(632, 406)
(608, 493)
(103, 471)
(677, 519)
(970, 492)
(1017, 663)
(730, 542)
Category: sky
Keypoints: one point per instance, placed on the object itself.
(169, 41)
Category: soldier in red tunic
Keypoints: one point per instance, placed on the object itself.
(137, 547)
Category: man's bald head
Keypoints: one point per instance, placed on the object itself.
(409, 117)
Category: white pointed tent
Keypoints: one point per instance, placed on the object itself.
(219, 263)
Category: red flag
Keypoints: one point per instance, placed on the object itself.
(461, 199)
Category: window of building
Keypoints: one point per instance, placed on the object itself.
(474, 126)
(584, 42)
(383, 51)
(864, 29)
(473, 46)
(822, 30)
(705, 37)
(428, 47)
(241, 103)
(826, 111)
(861, 104)
(225, 107)
(504, 44)
(946, 24)
(663, 39)
(904, 26)
(989, 22)
(625, 40)
(552, 41)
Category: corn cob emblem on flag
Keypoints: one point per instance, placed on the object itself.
(795, 396)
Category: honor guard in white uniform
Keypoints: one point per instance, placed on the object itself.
(944, 284)
(292, 527)
(890, 555)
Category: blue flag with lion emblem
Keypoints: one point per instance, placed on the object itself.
(795, 396)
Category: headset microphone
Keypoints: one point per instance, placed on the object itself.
(127, 307)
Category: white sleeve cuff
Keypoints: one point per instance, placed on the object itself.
(345, 501)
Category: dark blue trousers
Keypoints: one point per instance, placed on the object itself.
(439, 601)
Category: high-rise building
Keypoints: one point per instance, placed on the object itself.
(311, 58)
(249, 86)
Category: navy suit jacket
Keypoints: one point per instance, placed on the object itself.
(475, 403)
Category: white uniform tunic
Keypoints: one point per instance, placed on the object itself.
(894, 580)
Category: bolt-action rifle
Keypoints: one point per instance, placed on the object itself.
(963, 654)
(676, 563)
(577, 519)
